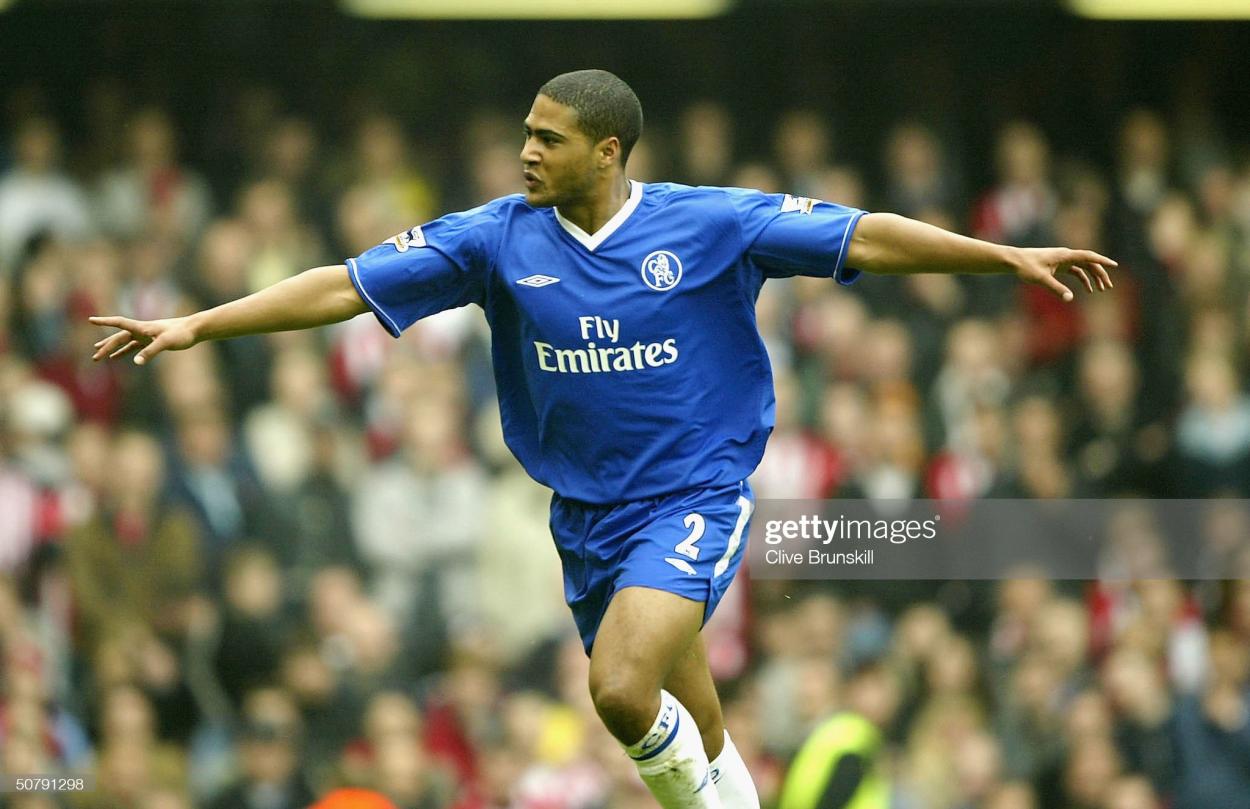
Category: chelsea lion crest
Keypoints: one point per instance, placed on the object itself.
(661, 270)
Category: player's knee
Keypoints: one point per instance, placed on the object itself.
(619, 696)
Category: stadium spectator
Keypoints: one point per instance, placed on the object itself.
(151, 194)
(253, 625)
(920, 182)
(281, 244)
(1212, 727)
(803, 147)
(1020, 209)
(36, 196)
(137, 558)
(213, 482)
(280, 433)
(840, 763)
(510, 570)
(797, 464)
(386, 193)
(269, 775)
(437, 488)
(292, 154)
(1105, 440)
(705, 150)
(1213, 431)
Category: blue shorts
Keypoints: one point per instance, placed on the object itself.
(689, 543)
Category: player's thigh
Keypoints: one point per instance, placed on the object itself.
(671, 572)
(643, 633)
(690, 680)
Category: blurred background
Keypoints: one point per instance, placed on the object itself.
(261, 569)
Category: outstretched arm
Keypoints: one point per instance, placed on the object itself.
(316, 297)
(892, 244)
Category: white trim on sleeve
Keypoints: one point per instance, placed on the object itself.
(351, 263)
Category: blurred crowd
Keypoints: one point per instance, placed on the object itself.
(258, 569)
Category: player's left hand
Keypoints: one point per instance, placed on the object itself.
(1042, 265)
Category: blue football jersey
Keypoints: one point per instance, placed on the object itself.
(628, 362)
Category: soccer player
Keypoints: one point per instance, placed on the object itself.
(632, 380)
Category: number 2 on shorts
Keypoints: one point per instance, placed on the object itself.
(697, 526)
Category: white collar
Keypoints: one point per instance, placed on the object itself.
(609, 227)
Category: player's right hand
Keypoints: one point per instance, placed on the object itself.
(1042, 265)
(155, 336)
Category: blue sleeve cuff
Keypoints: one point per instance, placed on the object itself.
(843, 274)
(388, 323)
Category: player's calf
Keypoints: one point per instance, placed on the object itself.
(672, 762)
(643, 632)
(732, 779)
(690, 680)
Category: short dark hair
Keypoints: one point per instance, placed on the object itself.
(605, 105)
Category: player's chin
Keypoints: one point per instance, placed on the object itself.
(539, 197)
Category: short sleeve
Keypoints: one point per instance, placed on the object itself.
(786, 235)
(427, 269)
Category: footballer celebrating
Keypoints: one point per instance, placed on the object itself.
(632, 380)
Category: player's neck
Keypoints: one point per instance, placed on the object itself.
(595, 211)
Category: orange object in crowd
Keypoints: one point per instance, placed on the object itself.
(353, 799)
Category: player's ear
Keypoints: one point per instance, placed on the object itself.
(609, 150)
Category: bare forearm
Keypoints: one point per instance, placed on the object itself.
(890, 244)
(316, 297)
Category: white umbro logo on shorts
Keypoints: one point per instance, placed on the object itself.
(681, 564)
(537, 280)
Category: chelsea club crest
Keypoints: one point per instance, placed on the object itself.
(661, 270)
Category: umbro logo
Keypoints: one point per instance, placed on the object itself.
(537, 280)
(681, 564)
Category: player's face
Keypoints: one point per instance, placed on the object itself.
(558, 159)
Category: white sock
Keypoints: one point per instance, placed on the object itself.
(672, 762)
(733, 780)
